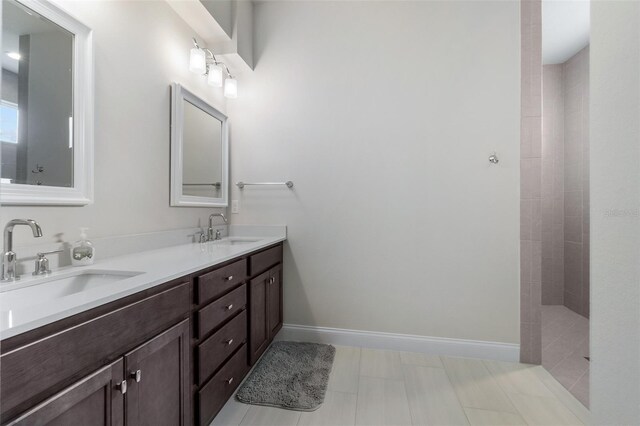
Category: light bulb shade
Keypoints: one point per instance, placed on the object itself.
(197, 61)
(215, 76)
(231, 88)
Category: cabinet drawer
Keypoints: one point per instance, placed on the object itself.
(213, 351)
(33, 372)
(214, 314)
(265, 259)
(217, 282)
(217, 391)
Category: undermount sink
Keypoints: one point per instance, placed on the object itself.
(234, 241)
(33, 291)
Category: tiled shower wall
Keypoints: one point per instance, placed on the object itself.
(565, 184)
(530, 181)
(576, 183)
(553, 185)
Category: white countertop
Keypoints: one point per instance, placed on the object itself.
(154, 267)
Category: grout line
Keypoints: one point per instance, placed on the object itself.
(245, 415)
(520, 413)
(568, 406)
(586, 371)
(382, 378)
(355, 416)
(573, 351)
(559, 336)
(406, 394)
(455, 391)
(498, 411)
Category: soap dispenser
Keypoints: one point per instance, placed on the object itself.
(82, 251)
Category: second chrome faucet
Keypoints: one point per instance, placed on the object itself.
(212, 234)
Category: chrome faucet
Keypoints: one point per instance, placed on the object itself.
(214, 235)
(42, 263)
(8, 272)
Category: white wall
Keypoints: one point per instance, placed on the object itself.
(140, 49)
(615, 215)
(384, 114)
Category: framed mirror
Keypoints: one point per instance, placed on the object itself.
(199, 152)
(46, 106)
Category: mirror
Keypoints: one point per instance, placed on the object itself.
(199, 152)
(45, 106)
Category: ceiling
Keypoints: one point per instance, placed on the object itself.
(565, 29)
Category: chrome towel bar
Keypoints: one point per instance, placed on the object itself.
(216, 184)
(241, 185)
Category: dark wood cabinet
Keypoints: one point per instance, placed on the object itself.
(148, 386)
(169, 355)
(265, 311)
(216, 392)
(216, 349)
(258, 316)
(215, 283)
(34, 371)
(274, 304)
(94, 400)
(158, 378)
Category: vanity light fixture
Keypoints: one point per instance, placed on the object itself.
(14, 55)
(214, 77)
(231, 88)
(200, 63)
(197, 61)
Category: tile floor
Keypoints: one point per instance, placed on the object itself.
(565, 343)
(375, 387)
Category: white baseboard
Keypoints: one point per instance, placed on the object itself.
(402, 342)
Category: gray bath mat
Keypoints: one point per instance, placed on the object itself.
(291, 375)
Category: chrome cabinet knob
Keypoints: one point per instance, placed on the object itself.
(122, 387)
(229, 342)
(229, 278)
(229, 381)
(136, 375)
(229, 307)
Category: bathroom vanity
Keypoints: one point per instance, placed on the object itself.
(146, 350)
(157, 337)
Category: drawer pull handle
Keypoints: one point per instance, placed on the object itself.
(229, 342)
(229, 307)
(136, 375)
(122, 387)
(229, 381)
(229, 278)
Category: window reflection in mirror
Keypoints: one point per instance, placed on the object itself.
(36, 107)
(202, 153)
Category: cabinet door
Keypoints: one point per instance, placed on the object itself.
(158, 378)
(275, 300)
(95, 400)
(258, 313)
